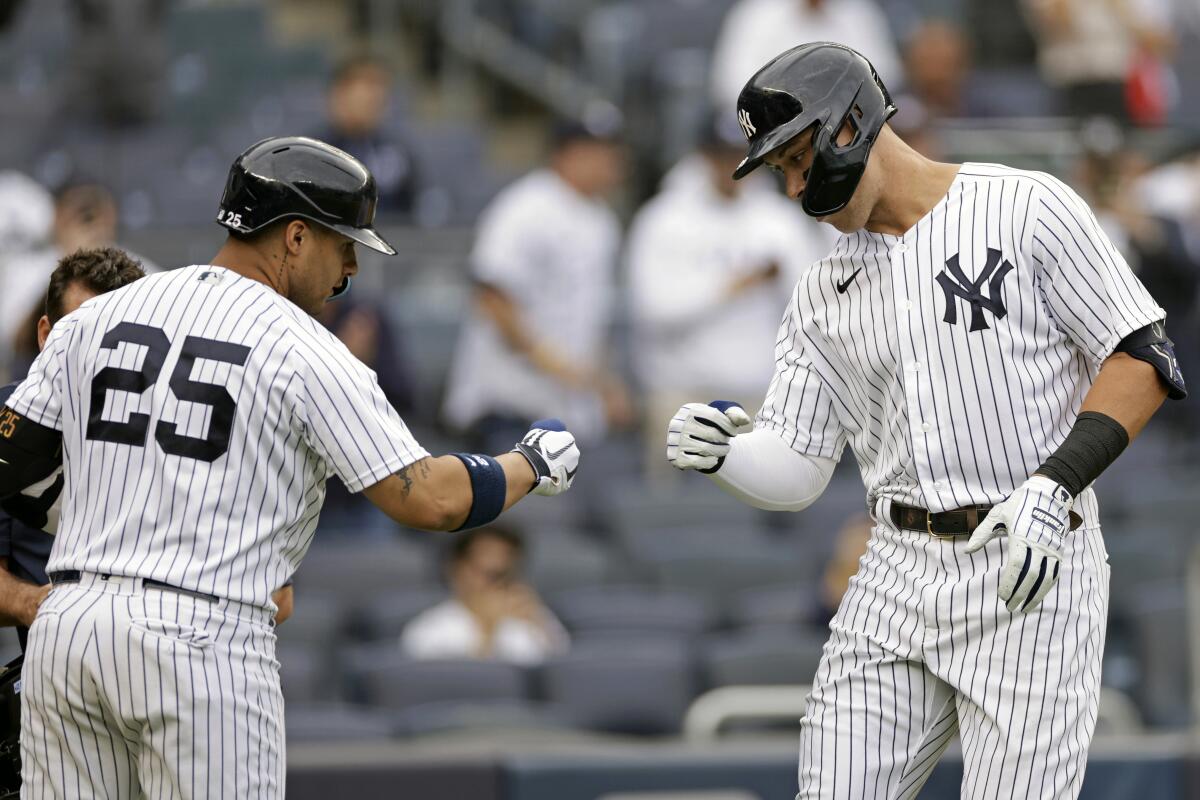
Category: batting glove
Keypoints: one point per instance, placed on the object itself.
(699, 435)
(550, 449)
(1036, 517)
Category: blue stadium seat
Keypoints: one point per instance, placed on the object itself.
(764, 656)
(629, 608)
(635, 690)
(386, 678)
(325, 722)
(383, 617)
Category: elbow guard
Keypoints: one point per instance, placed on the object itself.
(29, 452)
(1150, 344)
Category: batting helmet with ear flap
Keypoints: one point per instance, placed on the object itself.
(824, 85)
(295, 176)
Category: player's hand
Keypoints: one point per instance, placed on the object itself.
(1036, 518)
(551, 450)
(29, 601)
(699, 435)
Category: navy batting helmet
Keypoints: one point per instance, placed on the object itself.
(822, 84)
(295, 176)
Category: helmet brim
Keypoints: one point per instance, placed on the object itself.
(772, 141)
(366, 236)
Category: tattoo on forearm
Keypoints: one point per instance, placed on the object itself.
(405, 474)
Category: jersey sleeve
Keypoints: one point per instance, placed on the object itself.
(39, 397)
(347, 419)
(798, 406)
(1089, 290)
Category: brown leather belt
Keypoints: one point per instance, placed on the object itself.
(947, 524)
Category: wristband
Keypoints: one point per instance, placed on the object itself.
(489, 487)
(1094, 442)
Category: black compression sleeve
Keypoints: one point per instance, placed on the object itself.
(29, 452)
(1094, 442)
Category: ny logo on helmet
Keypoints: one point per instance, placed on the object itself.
(957, 284)
(744, 120)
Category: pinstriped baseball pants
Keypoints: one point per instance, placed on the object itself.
(922, 647)
(132, 692)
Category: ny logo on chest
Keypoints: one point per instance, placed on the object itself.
(957, 285)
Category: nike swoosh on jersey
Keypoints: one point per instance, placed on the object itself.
(844, 285)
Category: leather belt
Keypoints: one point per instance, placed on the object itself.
(948, 524)
(74, 576)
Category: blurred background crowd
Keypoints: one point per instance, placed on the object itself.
(555, 175)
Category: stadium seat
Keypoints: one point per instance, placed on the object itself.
(635, 690)
(720, 578)
(786, 603)
(304, 673)
(628, 608)
(564, 560)
(382, 618)
(386, 678)
(761, 657)
(319, 618)
(324, 722)
(359, 571)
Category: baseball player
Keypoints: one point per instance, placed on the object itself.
(199, 413)
(986, 353)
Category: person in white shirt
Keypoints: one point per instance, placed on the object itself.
(492, 614)
(543, 265)
(711, 261)
(754, 31)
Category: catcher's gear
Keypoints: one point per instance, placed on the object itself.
(295, 176)
(822, 84)
(1036, 518)
(698, 436)
(551, 450)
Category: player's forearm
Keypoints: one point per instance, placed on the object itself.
(762, 471)
(1128, 390)
(506, 317)
(18, 598)
(436, 494)
(1124, 396)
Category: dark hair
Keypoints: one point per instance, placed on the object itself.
(347, 68)
(99, 269)
(460, 546)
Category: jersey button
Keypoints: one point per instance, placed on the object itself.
(926, 427)
(916, 366)
(901, 248)
(906, 305)
(939, 484)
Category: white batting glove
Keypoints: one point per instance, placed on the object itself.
(699, 435)
(1036, 518)
(551, 450)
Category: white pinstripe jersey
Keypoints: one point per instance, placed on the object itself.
(954, 358)
(201, 415)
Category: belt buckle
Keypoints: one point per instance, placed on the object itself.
(929, 528)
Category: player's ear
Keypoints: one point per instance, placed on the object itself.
(43, 331)
(296, 233)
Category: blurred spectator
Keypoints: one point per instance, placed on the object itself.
(118, 62)
(937, 60)
(358, 101)
(536, 343)
(492, 614)
(711, 262)
(1106, 57)
(85, 216)
(755, 31)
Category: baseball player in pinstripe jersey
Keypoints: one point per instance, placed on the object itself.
(198, 414)
(984, 350)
